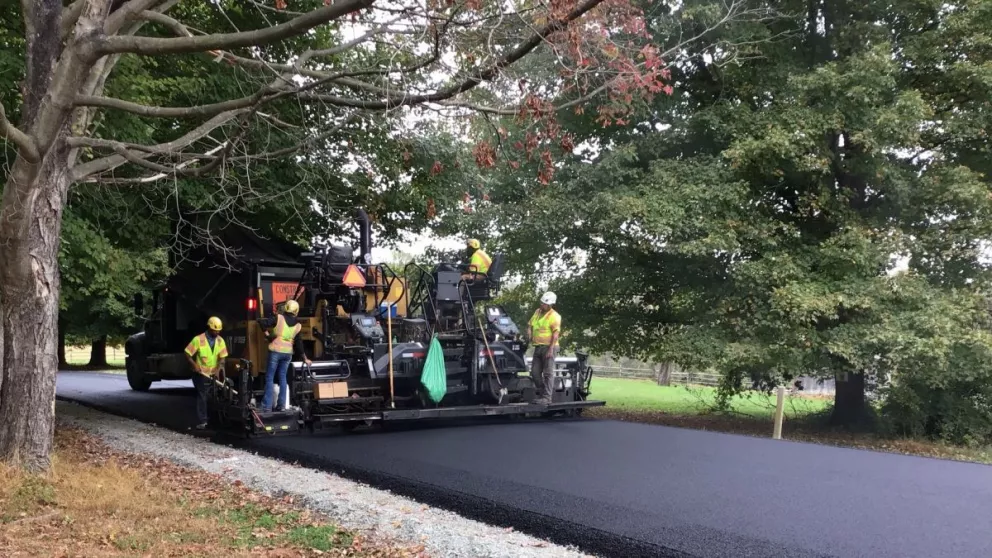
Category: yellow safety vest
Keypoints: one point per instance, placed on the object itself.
(199, 350)
(284, 335)
(545, 326)
(480, 262)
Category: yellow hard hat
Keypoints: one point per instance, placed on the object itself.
(473, 243)
(292, 307)
(214, 323)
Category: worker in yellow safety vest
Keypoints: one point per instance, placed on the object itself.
(206, 354)
(285, 338)
(543, 330)
(479, 260)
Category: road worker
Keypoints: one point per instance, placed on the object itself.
(285, 338)
(206, 354)
(479, 260)
(543, 330)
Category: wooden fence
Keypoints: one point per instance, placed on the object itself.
(676, 376)
(679, 377)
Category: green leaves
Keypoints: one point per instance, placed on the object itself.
(99, 279)
(757, 235)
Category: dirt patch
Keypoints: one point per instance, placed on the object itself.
(99, 502)
(803, 430)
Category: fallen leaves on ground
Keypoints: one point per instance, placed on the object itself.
(800, 431)
(96, 501)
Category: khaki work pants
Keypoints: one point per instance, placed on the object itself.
(542, 371)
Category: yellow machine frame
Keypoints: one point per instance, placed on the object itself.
(257, 338)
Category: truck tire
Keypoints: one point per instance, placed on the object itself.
(135, 378)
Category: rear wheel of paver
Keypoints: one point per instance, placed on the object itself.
(135, 378)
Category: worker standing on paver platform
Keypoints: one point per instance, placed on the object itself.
(543, 331)
(205, 354)
(285, 338)
(479, 260)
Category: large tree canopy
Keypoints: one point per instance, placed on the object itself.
(115, 235)
(751, 221)
(284, 107)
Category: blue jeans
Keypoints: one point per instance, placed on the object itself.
(278, 362)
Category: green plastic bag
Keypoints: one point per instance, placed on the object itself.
(434, 377)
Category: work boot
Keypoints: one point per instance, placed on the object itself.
(201, 426)
(542, 401)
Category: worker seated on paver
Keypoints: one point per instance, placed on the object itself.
(478, 261)
(475, 265)
(285, 338)
(543, 330)
(206, 354)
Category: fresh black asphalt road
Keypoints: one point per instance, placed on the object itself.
(622, 489)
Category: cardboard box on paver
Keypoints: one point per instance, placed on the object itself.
(331, 390)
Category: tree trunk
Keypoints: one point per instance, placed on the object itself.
(851, 408)
(62, 360)
(98, 352)
(663, 373)
(30, 226)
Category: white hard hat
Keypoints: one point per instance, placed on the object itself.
(549, 298)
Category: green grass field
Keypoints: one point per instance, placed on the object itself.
(647, 396)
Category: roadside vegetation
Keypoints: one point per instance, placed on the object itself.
(98, 502)
(647, 396)
(752, 413)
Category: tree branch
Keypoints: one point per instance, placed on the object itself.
(264, 95)
(469, 82)
(356, 41)
(294, 148)
(288, 68)
(201, 43)
(167, 172)
(106, 163)
(25, 145)
(174, 112)
(70, 14)
(79, 141)
(131, 10)
(83, 119)
(513, 112)
(142, 162)
(127, 151)
(297, 67)
(162, 19)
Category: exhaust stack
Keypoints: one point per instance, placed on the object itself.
(364, 236)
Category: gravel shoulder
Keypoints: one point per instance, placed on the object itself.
(353, 506)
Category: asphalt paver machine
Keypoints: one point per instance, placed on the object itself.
(368, 330)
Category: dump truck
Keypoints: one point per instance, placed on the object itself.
(369, 330)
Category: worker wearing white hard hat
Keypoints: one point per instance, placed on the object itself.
(543, 329)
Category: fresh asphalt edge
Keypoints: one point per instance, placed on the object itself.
(553, 529)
